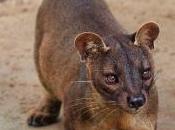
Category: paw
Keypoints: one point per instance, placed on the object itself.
(41, 119)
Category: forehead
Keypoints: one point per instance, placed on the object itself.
(126, 54)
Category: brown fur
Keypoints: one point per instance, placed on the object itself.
(88, 103)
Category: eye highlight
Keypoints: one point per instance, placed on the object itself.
(146, 74)
(111, 79)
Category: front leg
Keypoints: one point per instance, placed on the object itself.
(69, 123)
(46, 113)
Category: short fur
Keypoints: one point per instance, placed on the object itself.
(105, 48)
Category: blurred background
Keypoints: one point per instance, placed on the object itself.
(20, 89)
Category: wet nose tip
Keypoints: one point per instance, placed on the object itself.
(136, 101)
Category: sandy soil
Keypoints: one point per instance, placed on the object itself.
(20, 89)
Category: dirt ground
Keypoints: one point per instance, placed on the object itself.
(20, 89)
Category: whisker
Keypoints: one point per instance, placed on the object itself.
(82, 81)
(88, 110)
(86, 106)
(84, 98)
(114, 103)
(80, 103)
(98, 113)
(107, 115)
(89, 101)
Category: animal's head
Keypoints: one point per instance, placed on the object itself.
(121, 68)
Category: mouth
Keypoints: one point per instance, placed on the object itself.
(129, 110)
(134, 110)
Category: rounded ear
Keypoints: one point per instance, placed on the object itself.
(147, 34)
(89, 44)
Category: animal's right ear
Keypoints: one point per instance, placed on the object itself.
(89, 45)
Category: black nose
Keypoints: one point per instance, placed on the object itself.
(136, 101)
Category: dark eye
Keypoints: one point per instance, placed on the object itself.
(146, 74)
(111, 79)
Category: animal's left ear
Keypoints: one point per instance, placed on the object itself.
(147, 34)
